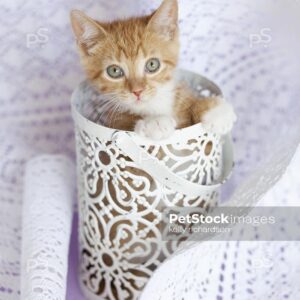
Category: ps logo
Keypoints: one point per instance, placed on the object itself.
(39, 38)
(262, 38)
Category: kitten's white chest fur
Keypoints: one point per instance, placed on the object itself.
(158, 114)
(161, 104)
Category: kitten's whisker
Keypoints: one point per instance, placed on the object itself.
(113, 114)
(93, 108)
(104, 109)
(117, 111)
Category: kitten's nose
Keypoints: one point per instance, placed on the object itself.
(137, 93)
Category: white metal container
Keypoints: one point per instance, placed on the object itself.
(124, 183)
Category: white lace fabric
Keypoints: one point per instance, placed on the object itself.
(46, 227)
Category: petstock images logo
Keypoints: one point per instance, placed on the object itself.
(231, 224)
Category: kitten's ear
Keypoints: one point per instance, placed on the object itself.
(165, 19)
(87, 32)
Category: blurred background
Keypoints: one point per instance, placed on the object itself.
(249, 48)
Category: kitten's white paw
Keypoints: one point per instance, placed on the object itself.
(155, 128)
(219, 119)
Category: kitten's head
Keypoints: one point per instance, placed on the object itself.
(131, 61)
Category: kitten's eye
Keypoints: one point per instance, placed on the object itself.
(152, 65)
(115, 72)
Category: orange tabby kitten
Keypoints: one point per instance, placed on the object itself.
(132, 63)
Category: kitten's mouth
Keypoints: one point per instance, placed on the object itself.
(139, 99)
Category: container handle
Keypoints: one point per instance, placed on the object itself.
(162, 174)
